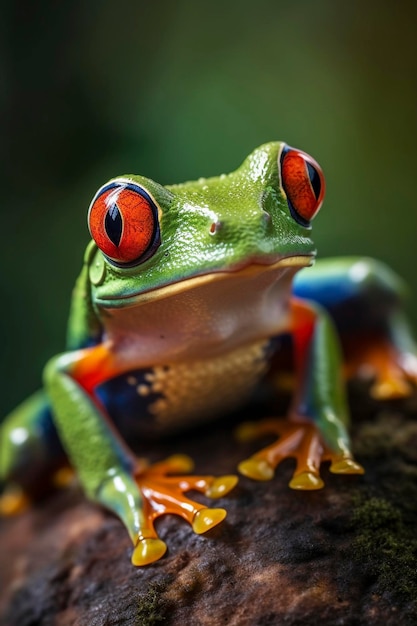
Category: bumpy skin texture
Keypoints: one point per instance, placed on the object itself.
(191, 328)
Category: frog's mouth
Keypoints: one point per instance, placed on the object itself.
(251, 270)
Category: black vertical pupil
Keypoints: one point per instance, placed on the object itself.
(114, 224)
(314, 179)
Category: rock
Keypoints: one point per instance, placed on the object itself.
(345, 555)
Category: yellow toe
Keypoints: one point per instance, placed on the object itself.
(221, 485)
(391, 389)
(180, 463)
(247, 431)
(206, 519)
(258, 469)
(306, 481)
(147, 551)
(63, 477)
(346, 466)
(13, 501)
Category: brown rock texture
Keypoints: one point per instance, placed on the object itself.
(345, 555)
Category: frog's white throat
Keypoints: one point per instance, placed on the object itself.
(212, 318)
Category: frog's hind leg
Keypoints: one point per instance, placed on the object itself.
(32, 460)
(387, 357)
(365, 299)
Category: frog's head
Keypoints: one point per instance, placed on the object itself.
(154, 240)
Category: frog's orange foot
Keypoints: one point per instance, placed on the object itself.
(13, 501)
(398, 379)
(163, 494)
(299, 440)
(394, 372)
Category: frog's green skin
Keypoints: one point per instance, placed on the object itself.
(188, 333)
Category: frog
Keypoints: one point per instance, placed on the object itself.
(188, 295)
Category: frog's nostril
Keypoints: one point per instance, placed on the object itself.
(215, 227)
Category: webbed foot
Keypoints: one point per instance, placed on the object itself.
(163, 494)
(394, 371)
(299, 440)
(13, 501)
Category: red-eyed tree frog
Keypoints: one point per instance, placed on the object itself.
(185, 298)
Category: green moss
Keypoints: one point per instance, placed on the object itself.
(386, 547)
(152, 608)
(136, 609)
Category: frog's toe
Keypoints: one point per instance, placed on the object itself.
(299, 440)
(390, 388)
(306, 481)
(247, 431)
(221, 486)
(393, 370)
(346, 466)
(176, 463)
(205, 519)
(13, 501)
(148, 551)
(258, 469)
(303, 442)
(63, 477)
(164, 493)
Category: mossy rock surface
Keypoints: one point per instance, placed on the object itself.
(345, 555)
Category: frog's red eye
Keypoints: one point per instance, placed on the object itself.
(123, 221)
(303, 183)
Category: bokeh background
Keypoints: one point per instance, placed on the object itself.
(177, 90)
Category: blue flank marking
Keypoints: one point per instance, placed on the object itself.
(329, 291)
(126, 407)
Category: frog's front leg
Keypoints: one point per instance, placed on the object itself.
(315, 429)
(109, 471)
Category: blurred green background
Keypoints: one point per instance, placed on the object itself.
(177, 90)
